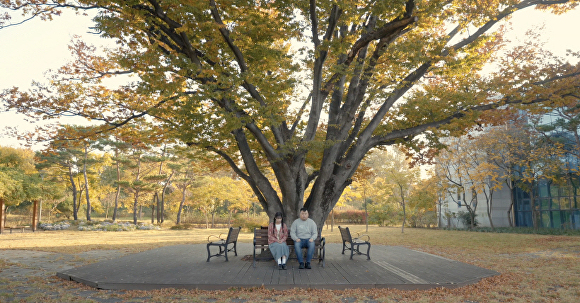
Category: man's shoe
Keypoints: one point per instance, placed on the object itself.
(301, 265)
(279, 266)
(284, 266)
(308, 265)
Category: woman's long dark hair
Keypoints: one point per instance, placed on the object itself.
(278, 214)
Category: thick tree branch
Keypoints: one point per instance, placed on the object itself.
(252, 167)
(386, 33)
(502, 15)
(393, 136)
(243, 67)
(299, 114)
(314, 21)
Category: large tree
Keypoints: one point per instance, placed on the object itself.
(305, 88)
(19, 180)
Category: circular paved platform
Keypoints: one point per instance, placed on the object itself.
(185, 266)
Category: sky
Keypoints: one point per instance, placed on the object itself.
(29, 50)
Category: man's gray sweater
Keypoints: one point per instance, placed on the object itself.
(303, 229)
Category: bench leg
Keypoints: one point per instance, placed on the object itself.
(343, 246)
(369, 251)
(254, 263)
(352, 246)
(226, 252)
(208, 254)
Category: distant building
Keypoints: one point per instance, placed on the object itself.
(558, 205)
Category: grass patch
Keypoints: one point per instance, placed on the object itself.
(526, 230)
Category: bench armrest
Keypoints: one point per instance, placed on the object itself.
(361, 237)
(218, 238)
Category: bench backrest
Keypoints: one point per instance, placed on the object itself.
(345, 234)
(233, 234)
(261, 236)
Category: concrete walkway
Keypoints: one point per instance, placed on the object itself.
(185, 266)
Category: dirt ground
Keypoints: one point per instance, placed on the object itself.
(29, 276)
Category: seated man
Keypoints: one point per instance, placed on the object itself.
(304, 233)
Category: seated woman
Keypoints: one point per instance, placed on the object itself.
(277, 235)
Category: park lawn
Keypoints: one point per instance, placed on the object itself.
(534, 268)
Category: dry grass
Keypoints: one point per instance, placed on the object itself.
(69, 241)
(535, 268)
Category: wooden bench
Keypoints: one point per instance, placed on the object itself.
(261, 242)
(222, 243)
(354, 244)
(17, 227)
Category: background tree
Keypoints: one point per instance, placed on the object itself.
(238, 199)
(208, 197)
(16, 170)
(505, 147)
(305, 88)
(53, 190)
(542, 161)
(559, 123)
(453, 168)
(185, 177)
(354, 192)
(23, 184)
(422, 203)
(119, 142)
(484, 175)
(140, 170)
(63, 157)
(393, 171)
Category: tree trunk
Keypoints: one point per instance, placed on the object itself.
(2, 212)
(535, 215)
(367, 217)
(34, 215)
(153, 204)
(118, 186)
(489, 209)
(40, 211)
(162, 212)
(80, 197)
(335, 174)
(87, 183)
(471, 210)
(5, 215)
(160, 203)
(439, 222)
(74, 193)
(156, 206)
(510, 211)
(404, 210)
(135, 202)
(332, 221)
(181, 205)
